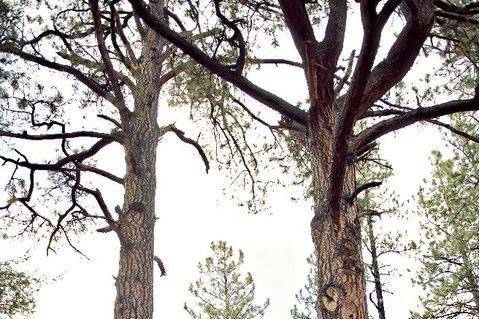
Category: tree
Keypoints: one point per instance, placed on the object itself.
(16, 291)
(450, 247)
(223, 291)
(381, 244)
(377, 245)
(116, 68)
(305, 308)
(338, 101)
(372, 170)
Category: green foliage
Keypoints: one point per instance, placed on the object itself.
(240, 145)
(9, 15)
(450, 245)
(306, 297)
(17, 291)
(222, 290)
(236, 137)
(455, 42)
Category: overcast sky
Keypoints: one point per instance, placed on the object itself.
(193, 212)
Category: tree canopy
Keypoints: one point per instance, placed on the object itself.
(450, 246)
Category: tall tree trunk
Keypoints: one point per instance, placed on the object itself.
(375, 270)
(136, 222)
(337, 242)
(134, 283)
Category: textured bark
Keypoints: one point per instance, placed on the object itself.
(134, 283)
(136, 222)
(337, 240)
(375, 271)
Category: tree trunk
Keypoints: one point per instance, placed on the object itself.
(337, 241)
(375, 270)
(134, 283)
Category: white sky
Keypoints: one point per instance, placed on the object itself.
(193, 212)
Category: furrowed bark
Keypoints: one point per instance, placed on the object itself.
(134, 283)
(337, 241)
(330, 120)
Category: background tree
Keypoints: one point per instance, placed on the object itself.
(382, 245)
(223, 291)
(450, 227)
(337, 102)
(17, 291)
(305, 307)
(378, 207)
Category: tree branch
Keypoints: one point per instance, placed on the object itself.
(402, 54)
(275, 61)
(95, 170)
(299, 25)
(161, 266)
(91, 84)
(110, 71)
(421, 114)
(58, 166)
(362, 188)
(272, 101)
(58, 136)
(181, 135)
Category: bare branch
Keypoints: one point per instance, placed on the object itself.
(91, 84)
(101, 203)
(362, 188)
(110, 71)
(421, 114)
(110, 119)
(59, 165)
(161, 266)
(455, 130)
(275, 61)
(181, 135)
(58, 136)
(95, 170)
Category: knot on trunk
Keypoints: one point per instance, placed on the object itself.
(137, 207)
(330, 298)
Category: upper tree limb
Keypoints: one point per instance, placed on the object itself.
(421, 114)
(267, 98)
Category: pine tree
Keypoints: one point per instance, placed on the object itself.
(449, 206)
(305, 307)
(223, 291)
(17, 291)
(78, 78)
